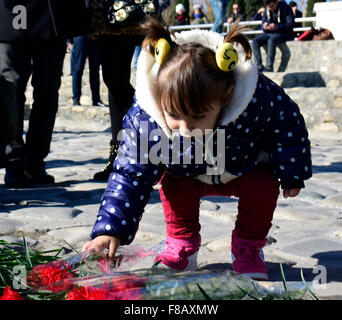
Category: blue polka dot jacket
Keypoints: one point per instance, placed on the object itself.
(261, 124)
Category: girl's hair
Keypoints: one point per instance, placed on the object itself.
(189, 80)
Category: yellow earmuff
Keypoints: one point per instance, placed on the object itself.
(161, 51)
(226, 57)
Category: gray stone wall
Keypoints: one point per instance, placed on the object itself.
(313, 79)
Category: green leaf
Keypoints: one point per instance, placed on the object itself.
(58, 252)
(284, 280)
(155, 265)
(27, 253)
(306, 286)
(203, 292)
(71, 247)
(248, 294)
(70, 271)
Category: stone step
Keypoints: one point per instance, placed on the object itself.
(319, 102)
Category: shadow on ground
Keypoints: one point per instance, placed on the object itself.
(55, 195)
(60, 163)
(303, 79)
(333, 167)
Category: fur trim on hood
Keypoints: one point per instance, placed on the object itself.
(246, 78)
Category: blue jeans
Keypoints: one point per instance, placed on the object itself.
(82, 49)
(220, 12)
(134, 62)
(271, 40)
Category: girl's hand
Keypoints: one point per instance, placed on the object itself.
(290, 192)
(103, 242)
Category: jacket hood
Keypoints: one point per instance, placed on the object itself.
(246, 78)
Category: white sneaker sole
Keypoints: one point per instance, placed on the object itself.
(192, 266)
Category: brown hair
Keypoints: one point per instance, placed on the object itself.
(189, 80)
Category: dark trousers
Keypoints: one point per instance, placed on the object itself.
(8, 110)
(271, 40)
(116, 57)
(82, 49)
(257, 191)
(44, 61)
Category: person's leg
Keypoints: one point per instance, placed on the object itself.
(20, 65)
(258, 192)
(8, 83)
(116, 56)
(220, 10)
(134, 62)
(79, 55)
(182, 221)
(285, 56)
(116, 59)
(181, 202)
(257, 43)
(94, 58)
(48, 60)
(272, 42)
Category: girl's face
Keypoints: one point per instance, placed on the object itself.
(187, 123)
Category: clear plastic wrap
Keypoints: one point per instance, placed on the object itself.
(90, 276)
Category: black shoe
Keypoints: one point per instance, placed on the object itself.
(261, 68)
(39, 176)
(99, 104)
(268, 69)
(76, 103)
(15, 175)
(104, 174)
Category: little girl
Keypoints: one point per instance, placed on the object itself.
(200, 84)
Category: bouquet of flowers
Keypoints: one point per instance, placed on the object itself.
(91, 276)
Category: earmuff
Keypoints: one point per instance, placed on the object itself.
(161, 50)
(226, 56)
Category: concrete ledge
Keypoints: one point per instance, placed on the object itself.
(87, 117)
(313, 79)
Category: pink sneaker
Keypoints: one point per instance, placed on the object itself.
(248, 257)
(180, 254)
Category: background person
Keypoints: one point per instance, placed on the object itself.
(220, 13)
(182, 17)
(82, 49)
(277, 26)
(198, 16)
(297, 14)
(259, 14)
(38, 51)
(237, 14)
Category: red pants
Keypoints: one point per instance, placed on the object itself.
(257, 191)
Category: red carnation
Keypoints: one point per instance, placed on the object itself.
(10, 294)
(53, 277)
(128, 287)
(120, 288)
(89, 293)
